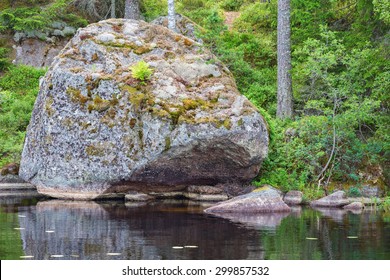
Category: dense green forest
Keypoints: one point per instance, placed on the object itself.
(339, 134)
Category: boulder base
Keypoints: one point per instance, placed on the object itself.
(100, 130)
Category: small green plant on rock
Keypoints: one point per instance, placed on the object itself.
(141, 71)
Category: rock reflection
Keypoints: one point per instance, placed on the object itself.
(336, 214)
(92, 230)
(259, 221)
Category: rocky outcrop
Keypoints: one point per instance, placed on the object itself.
(262, 200)
(293, 198)
(36, 52)
(336, 199)
(98, 129)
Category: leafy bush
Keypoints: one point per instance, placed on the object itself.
(4, 60)
(354, 192)
(18, 91)
(141, 71)
(232, 5)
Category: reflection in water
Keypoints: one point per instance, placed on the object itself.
(87, 230)
(56, 229)
(259, 221)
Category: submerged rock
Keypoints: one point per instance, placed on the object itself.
(97, 131)
(336, 199)
(293, 197)
(263, 200)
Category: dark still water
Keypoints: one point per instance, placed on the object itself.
(55, 229)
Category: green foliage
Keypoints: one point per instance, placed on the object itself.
(141, 71)
(4, 60)
(38, 17)
(152, 9)
(18, 90)
(382, 8)
(231, 5)
(386, 204)
(354, 192)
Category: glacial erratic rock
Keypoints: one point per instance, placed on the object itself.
(97, 131)
(264, 200)
(336, 199)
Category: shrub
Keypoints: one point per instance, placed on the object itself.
(18, 91)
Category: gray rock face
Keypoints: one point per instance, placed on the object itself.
(372, 191)
(336, 199)
(96, 130)
(263, 200)
(293, 197)
(36, 52)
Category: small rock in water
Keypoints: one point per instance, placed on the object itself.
(336, 199)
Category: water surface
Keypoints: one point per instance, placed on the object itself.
(56, 229)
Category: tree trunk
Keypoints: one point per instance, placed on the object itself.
(132, 9)
(171, 15)
(113, 8)
(285, 105)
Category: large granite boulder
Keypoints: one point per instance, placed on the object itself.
(263, 200)
(97, 130)
(336, 199)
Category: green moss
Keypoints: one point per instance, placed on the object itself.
(133, 122)
(167, 143)
(48, 106)
(141, 139)
(240, 122)
(76, 96)
(137, 99)
(96, 151)
(99, 104)
(227, 123)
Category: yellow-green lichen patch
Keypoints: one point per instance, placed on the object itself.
(98, 150)
(132, 123)
(167, 143)
(99, 104)
(126, 45)
(76, 96)
(227, 123)
(48, 106)
(67, 122)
